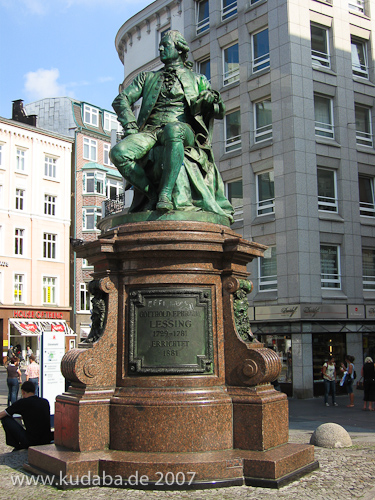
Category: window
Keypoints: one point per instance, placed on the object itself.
(231, 64)
(91, 216)
(261, 50)
(49, 290)
(20, 193)
(49, 246)
(84, 297)
(90, 115)
(267, 270)
(49, 204)
(330, 266)
(106, 150)
(114, 188)
(366, 196)
(323, 116)
(204, 68)
(1, 155)
(263, 121)
(235, 196)
(327, 192)
(19, 241)
(368, 269)
(363, 126)
(357, 5)
(93, 182)
(20, 160)
(202, 16)
(85, 264)
(90, 149)
(320, 46)
(19, 281)
(359, 58)
(50, 167)
(265, 188)
(233, 131)
(229, 9)
(110, 122)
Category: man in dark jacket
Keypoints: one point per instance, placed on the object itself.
(35, 413)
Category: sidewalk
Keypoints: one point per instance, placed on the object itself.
(344, 473)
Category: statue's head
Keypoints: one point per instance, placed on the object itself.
(174, 45)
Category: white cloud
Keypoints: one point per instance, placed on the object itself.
(44, 83)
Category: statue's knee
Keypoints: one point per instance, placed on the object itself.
(174, 132)
(118, 155)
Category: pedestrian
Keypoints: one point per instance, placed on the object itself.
(32, 373)
(348, 378)
(368, 374)
(329, 377)
(10, 353)
(13, 379)
(28, 354)
(35, 413)
(289, 365)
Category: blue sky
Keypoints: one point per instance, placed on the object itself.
(53, 48)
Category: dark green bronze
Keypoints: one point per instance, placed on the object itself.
(166, 154)
(240, 307)
(98, 314)
(170, 331)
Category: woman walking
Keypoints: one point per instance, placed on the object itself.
(348, 378)
(329, 377)
(32, 373)
(14, 377)
(368, 374)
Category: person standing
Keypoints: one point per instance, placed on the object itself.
(35, 413)
(348, 378)
(33, 373)
(289, 365)
(329, 377)
(368, 374)
(14, 377)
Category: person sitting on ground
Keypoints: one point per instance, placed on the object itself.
(35, 413)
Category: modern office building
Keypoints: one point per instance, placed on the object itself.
(94, 180)
(296, 151)
(35, 193)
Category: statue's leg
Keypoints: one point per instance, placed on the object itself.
(125, 155)
(175, 137)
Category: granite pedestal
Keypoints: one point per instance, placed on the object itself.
(175, 391)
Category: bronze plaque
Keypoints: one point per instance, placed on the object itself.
(170, 331)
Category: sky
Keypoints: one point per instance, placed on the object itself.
(55, 48)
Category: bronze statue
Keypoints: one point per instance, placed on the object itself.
(98, 312)
(166, 154)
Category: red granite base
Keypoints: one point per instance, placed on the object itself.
(272, 468)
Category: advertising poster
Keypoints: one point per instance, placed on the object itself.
(52, 380)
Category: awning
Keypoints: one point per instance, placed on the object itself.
(37, 327)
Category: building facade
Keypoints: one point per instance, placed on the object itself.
(296, 151)
(94, 180)
(35, 192)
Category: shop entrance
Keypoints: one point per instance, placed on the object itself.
(324, 345)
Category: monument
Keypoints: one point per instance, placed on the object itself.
(171, 389)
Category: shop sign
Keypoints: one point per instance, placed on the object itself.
(38, 314)
(356, 311)
(57, 328)
(31, 327)
(370, 312)
(324, 311)
(278, 312)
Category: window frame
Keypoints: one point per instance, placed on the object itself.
(50, 167)
(96, 211)
(360, 70)
(110, 118)
(238, 208)
(19, 241)
(232, 143)
(92, 146)
(265, 132)
(368, 280)
(106, 158)
(367, 208)
(231, 75)
(322, 129)
(98, 178)
(265, 206)
(359, 6)
(21, 160)
(364, 138)
(84, 294)
(20, 199)
(90, 115)
(228, 11)
(50, 205)
(267, 283)
(327, 203)
(321, 59)
(335, 278)
(114, 183)
(49, 246)
(265, 58)
(199, 66)
(54, 288)
(202, 25)
(20, 286)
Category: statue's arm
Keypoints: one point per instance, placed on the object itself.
(124, 101)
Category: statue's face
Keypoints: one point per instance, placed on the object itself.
(168, 51)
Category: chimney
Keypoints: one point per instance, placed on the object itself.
(19, 114)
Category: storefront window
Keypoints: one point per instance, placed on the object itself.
(282, 345)
(324, 345)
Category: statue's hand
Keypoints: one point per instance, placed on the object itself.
(129, 128)
(208, 96)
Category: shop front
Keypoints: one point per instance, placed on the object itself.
(24, 327)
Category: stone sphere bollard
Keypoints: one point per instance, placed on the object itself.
(331, 436)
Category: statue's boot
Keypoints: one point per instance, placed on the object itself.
(173, 159)
(135, 175)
